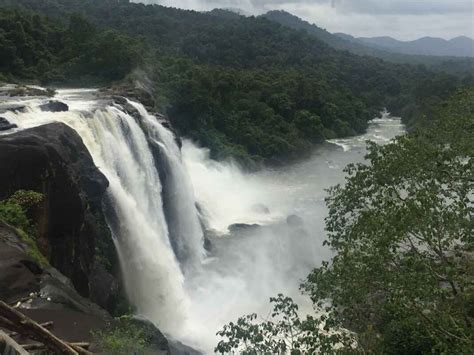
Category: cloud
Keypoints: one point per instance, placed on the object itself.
(403, 7)
(402, 19)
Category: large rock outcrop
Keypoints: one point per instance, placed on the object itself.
(34, 285)
(45, 295)
(72, 233)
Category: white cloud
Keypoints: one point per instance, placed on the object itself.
(402, 19)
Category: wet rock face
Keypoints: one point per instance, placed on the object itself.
(5, 125)
(44, 294)
(24, 281)
(104, 287)
(53, 160)
(18, 278)
(54, 106)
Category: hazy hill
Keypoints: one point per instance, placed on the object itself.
(338, 42)
(457, 47)
(387, 51)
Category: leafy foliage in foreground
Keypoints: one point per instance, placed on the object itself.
(284, 333)
(403, 235)
(125, 339)
(126, 335)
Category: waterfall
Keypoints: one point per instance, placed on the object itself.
(153, 280)
(151, 211)
(121, 147)
(184, 226)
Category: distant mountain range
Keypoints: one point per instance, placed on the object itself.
(457, 47)
(422, 52)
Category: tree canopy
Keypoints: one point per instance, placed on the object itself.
(402, 231)
(33, 47)
(246, 87)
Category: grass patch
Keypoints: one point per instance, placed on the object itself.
(32, 248)
(13, 211)
(126, 336)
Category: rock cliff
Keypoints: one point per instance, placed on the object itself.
(72, 233)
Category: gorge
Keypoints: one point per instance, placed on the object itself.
(199, 242)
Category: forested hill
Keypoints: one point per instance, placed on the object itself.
(337, 42)
(249, 88)
(363, 47)
(459, 47)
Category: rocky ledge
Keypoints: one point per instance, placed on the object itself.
(13, 90)
(43, 294)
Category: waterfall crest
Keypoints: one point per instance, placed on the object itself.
(121, 146)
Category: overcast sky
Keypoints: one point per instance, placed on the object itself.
(401, 19)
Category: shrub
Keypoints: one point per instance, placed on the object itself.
(13, 211)
(14, 215)
(125, 337)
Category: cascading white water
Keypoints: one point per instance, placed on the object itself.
(119, 148)
(184, 222)
(168, 276)
(152, 275)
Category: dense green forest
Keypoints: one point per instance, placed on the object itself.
(34, 47)
(248, 88)
(401, 278)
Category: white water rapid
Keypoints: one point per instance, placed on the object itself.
(151, 206)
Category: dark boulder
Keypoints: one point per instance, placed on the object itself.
(54, 106)
(12, 108)
(5, 125)
(72, 232)
(138, 91)
(294, 221)
(127, 107)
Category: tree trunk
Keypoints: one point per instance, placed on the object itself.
(27, 327)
